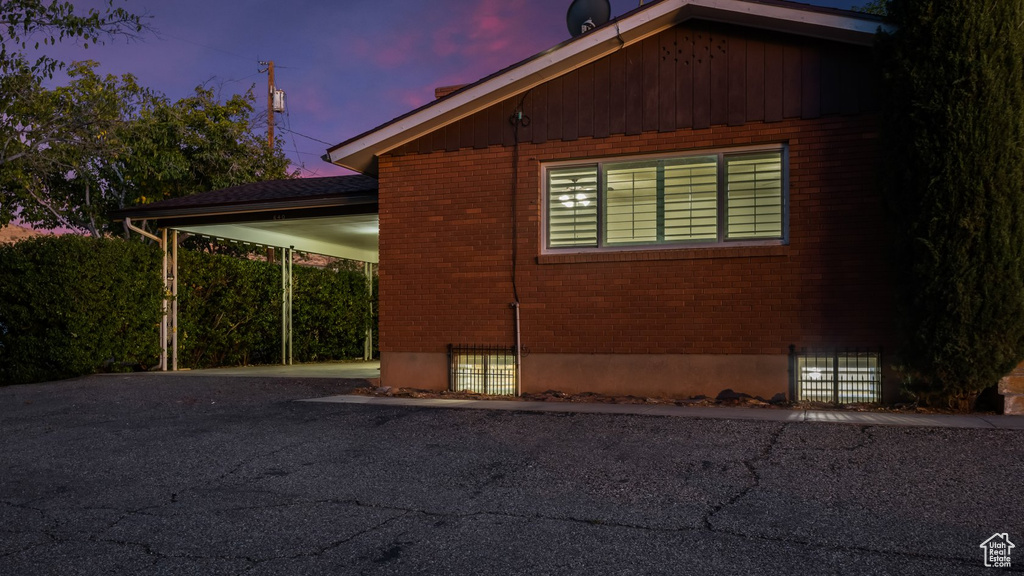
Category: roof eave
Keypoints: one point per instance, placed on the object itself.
(360, 153)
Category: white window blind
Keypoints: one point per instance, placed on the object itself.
(705, 198)
(754, 202)
(691, 199)
(661, 201)
(631, 203)
(572, 206)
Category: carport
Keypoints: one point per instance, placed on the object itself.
(333, 216)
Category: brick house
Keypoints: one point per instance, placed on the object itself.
(678, 202)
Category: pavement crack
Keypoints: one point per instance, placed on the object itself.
(599, 523)
(148, 549)
(852, 549)
(256, 562)
(253, 458)
(755, 477)
(28, 548)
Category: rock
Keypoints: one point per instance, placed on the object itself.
(778, 399)
(386, 390)
(627, 400)
(728, 394)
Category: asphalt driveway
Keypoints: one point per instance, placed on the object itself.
(150, 474)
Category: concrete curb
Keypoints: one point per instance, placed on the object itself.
(717, 413)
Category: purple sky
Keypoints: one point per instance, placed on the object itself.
(346, 66)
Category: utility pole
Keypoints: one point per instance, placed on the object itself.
(270, 126)
(270, 101)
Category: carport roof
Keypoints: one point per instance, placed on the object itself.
(335, 216)
(271, 195)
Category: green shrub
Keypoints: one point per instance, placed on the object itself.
(230, 312)
(953, 127)
(330, 311)
(71, 306)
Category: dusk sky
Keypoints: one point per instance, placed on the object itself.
(346, 66)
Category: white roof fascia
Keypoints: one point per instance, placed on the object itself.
(359, 154)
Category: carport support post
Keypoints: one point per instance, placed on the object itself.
(286, 306)
(368, 346)
(284, 309)
(291, 278)
(174, 300)
(163, 318)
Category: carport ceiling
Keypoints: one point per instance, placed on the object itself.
(353, 237)
(334, 216)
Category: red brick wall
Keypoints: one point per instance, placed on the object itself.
(446, 236)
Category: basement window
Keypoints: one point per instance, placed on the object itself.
(702, 198)
(482, 370)
(837, 376)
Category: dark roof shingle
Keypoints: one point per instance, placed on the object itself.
(271, 191)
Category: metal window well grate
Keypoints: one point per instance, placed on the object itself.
(839, 376)
(482, 369)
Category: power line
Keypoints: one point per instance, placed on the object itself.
(243, 79)
(158, 34)
(307, 137)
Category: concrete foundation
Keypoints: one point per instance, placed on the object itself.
(652, 375)
(426, 371)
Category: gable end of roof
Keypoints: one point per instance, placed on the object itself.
(361, 152)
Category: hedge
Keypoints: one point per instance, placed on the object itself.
(71, 306)
(230, 312)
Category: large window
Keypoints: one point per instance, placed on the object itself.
(707, 198)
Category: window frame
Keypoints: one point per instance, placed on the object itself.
(721, 204)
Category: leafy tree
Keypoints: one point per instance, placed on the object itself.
(198, 143)
(122, 145)
(874, 7)
(953, 136)
(32, 120)
(40, 24)
(65, 133)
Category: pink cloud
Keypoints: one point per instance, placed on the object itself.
(315, 102)
(397, 51)
(412, 97)
(493, 35)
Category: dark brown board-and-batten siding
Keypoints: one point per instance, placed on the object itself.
(695, 75)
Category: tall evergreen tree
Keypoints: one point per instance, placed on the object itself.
(953, 133)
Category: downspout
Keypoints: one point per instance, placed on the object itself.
(519, 353)
(516, 120)
(163, 322)
(134, 228)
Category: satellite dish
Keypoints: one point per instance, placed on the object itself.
(585, 15)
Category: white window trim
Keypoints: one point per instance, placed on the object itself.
(722, 241)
